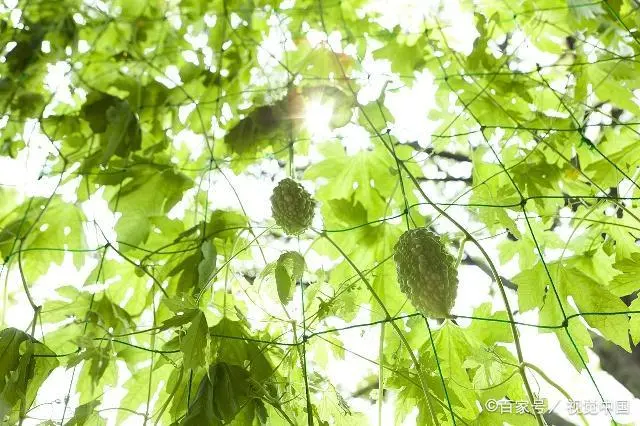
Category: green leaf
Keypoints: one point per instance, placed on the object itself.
(364, 177)
(207, 265)
(527, 247)
(59, 228)
(284, 282)
(288, 270)
(609, 78)
(98, 366)
(315, 62)
(593, 298)
(86, 415)
(634, 322)
(532, 284)
(406, 54)
(479, 58)
(344, 213)
(488, 190)
(25, 364)
(333, 408)
(487, 371)
(195, 344)
(123, 132)
(180, 319)
(140, 384)
(222, 394)
(371, 245)
(628, 280)
(493, 331)
(115, 119)
(225, 224)
(231, 342)
(169, 111)
(180, 304)
(551, 315)
(596, 264)
(258, 129)
(150, 195)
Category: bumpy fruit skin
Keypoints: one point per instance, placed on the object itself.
(292, 207)
(426, 272)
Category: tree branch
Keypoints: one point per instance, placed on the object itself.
(443, 154)
(445, 179)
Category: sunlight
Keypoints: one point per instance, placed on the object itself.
(317, 117)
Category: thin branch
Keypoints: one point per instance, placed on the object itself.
(442, 154)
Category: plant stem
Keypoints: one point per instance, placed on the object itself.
(140, 266)
(303, 362)
(555, 385)
(25, 286)
(403, 339)
(152, 354)
(381, 374)
(461, 252)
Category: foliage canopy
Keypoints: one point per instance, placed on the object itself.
(154, 112)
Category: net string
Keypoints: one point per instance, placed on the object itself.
(306, 337)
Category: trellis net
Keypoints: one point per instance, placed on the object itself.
(146, 281)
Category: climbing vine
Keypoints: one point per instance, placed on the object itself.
(150, 274)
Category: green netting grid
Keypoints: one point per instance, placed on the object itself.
(406, 215)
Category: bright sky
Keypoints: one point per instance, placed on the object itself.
(409, 105)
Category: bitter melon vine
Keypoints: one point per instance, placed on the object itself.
(247, 212)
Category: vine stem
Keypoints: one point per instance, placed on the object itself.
(226, 279)
(25, 286)
(435, 354)
(556, 386)
(301, 353)
(29, 353)
(5, 299)
(291, 159)
(403, 339)
(36, 312)
(151, 367)
(140, 266)
(497, 278)
(303, 361)
(231, 257)
(381, 374)
(461, 251)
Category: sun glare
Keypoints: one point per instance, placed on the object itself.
(317, 117)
